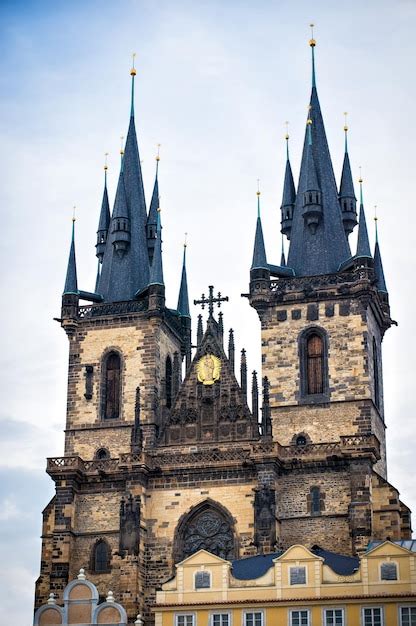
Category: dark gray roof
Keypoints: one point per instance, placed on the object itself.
(183, 299)
(289, 191)
(156, 270)
(154, 203)
(104, 220)
(346, 188)
(259, 252)
(378, 269)
(321, 252)
(71, 282)
(123, 276)
(363, 244)
(255, 566)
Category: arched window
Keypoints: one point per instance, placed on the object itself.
(376, 374)
(315, 501)
(101, 557)
(168, 382)
(315, 364)
(101, 454)
(301, 440)
(112, 384)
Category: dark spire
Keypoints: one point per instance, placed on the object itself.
(378, 265)
(183, 300)
(259, 253)
(347, 197)
(289, 195)
(255, 396)
(120, 222)
(152, 217)
(220, 327)
(231, 349)
(71, 282)
(282, 257)
(363, 244)
(199, 331)
(266, 423)
(243, 372)
(104, 221)
(318, 244)
(156, 271)
(126, 273)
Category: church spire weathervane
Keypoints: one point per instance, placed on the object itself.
(132, 74)
(312, 44)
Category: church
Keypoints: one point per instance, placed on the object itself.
(170, 447)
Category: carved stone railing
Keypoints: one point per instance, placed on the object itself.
(202, 457)
(112, 308)
(346, 445)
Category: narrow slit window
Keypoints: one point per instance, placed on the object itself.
(112, 386)
(168, 382)
(101, 557)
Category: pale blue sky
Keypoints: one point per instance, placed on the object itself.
(216, 81)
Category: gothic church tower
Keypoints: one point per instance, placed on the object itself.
(164, 455)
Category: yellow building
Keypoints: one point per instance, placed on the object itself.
(298, 587)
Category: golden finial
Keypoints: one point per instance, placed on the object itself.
(345, 121)
(185, 243)
(74, 208)
(287, 130)
(258, 187)
(312, 41)
(309, 121)
(105, 161)
(121, 145)
(360, 180)
(133, 69)
(158, 152)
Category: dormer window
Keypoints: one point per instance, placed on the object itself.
(297, 576)
(202, 580)
(388, 571)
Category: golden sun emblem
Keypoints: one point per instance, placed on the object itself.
(208, 369)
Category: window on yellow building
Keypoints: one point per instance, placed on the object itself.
(388, 571)
(185, 619)
(300, 618)
(254, 618)
(220, 619)
(334, 617)
(408, 615)
(202, 580)
(373, 616)
(298, 575)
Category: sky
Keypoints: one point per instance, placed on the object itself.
(216, 82)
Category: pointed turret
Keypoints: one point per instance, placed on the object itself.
(363, 244)
(378, 266)
(104, 221)
(156, 271)
(282, 256)
(318, 244)
(71, 282)
(259, 253)
(125, 267)
(289, 196)
(152, 217)
(347, 199)
(183, 299)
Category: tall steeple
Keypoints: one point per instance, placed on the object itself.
(259, 252)
(152, 217)
(363, 244)
(318, 244)
(289, 194)
(378, 264)
(347, 197)
(183, 299)
(156, 270)
(104, 221)
(71, 282)
(125, 267)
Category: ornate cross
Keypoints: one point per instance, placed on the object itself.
(211, 300)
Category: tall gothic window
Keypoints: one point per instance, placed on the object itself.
(112, 385)
(101, 557)
(168, 381)
(315, 501)
(376, 374)
(315, 364)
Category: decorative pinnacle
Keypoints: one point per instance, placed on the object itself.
(158, 152)
(133, 69)
(287, 140)
(360, 180)
(376, 221)
(258, 192)
(312, 41)
(74, 208)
